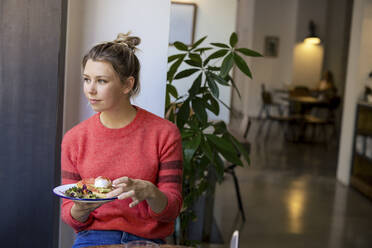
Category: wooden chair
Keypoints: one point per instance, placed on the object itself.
(300, 91)
(283, 120)
(316, 122)
(268, 103)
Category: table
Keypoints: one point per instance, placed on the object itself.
(305, 103)
(300, 106)
(307, 100)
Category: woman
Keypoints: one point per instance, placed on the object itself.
(140, 152)
(326, 88)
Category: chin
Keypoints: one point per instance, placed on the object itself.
(97, 109)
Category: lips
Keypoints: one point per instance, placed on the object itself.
(94, 101)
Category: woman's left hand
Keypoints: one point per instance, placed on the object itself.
(136, 189)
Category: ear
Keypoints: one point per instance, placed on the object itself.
(128, 85)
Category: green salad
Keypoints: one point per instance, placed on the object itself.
(81, 193)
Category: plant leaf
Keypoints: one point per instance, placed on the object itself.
(167, 98)
(194, 123)
(233, 84)
(190, 146)
(199, 109)
(185, 73)
(232, 157)
(219, 79)
(227, 64)
(172, 90)
(213, 68)
(215, 55)
(203, 49)
(220, 127)
(192, 63)
(212, 86)
(248, 52)
(176, 56)
(224, 104)
(220, 45)
(242, 65)
(174, 67)
(220, 168)
(196, 58)
(233, 39)
(242, 150)
(183, 114)
(185, 133)
(212, 104)
(198, 42)
(221, 143)
(180, 46)
(196, 85)
(207, 150)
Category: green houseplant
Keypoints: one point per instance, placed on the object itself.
(205, 143)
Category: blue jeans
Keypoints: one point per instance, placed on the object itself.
(100, 237)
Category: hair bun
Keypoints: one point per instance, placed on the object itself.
(126, 40)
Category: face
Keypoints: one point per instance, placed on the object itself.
(102, 86)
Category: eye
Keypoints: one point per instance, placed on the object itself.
(86, 80)
(102, 81)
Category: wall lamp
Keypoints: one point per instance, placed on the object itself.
(312, 38)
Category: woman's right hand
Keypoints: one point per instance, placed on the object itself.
(80, 210)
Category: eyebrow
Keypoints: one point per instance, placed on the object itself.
(99, 76)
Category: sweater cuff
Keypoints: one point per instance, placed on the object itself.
(80, 226)
(169, 213)
(163, 212)
(77, 225)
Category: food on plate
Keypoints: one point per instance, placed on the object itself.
(91, 188)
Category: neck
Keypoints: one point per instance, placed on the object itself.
(120, 117)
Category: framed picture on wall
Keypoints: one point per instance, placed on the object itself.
(271, 46)
(182, 22)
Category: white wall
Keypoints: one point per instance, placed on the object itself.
(215, 18)
(307, 65)
(308, 59)
(147, 19)
(311, 10)
(359, 65)
(271, 18)
(337, 41)
(296, 63)
(92, 21)
(245, 31)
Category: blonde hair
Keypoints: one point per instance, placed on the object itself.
(120, 53)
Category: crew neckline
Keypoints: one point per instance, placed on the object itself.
(102, 129)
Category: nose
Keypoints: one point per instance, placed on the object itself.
(91, 88)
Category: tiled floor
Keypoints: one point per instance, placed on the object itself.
(292, 199)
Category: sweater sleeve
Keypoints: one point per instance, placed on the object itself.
(70, 175)
(170, 176)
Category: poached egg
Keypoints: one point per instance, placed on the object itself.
(102, 182)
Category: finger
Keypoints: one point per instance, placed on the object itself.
(115, 192)
(123, 185)
(126, 195)
(134, 202)
(120, 180)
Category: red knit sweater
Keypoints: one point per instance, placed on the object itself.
(148, 148)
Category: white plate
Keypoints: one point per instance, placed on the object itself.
(60, 190)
